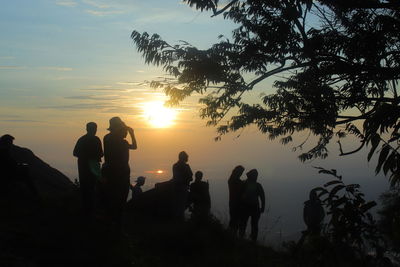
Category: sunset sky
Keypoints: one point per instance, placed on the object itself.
(64, 63)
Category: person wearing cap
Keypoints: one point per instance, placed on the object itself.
(116, 170)
(253, 196)
(181, 177)
(137, 188)
(89, 152)
(12, 171)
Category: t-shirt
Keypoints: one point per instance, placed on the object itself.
(252, 192)
(182, 174)
(88, 147)
(136, 191)
(235, 190)
(199, 193)
(116, 151)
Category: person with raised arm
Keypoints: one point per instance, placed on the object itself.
(116, 169)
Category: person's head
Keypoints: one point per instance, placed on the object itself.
(91, 128)
(183, 156)
(198, 176)
(116, 124)
(6, 140)
(140, 180)
(118, 127)
(313, 195)
(237, 171)
(252, 175)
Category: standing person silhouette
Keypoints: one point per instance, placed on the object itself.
(313, 213)
(200, 198)
(89, 152)
(116, 170)
(253, 194)
(236, 187)
(313, 216)
(182, 175)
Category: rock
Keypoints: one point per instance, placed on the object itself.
(48, 180)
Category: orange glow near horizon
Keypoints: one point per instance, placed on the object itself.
(156, 172)
(157, 115)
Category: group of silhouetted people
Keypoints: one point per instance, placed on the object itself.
(106, 186)
(246, 200)
(109, 184)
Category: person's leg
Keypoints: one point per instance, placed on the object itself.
(255, 216)
(85, 185)
(234, 219)
(243, 224)
(120, 191)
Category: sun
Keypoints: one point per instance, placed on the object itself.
(157, 115)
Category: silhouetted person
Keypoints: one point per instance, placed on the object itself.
(313, 213)
(182, 175)
(89, 152)
(236, 187)
(137, 188)
(253, 194)
(116, 170)
(12, 171)
(200, 197)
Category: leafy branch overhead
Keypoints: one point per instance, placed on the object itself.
(335, 67)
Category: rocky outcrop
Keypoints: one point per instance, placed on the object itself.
(48, 180)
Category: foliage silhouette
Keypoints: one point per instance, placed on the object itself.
(338, 64)
(389, 223)
(350, 237)
(350, 223)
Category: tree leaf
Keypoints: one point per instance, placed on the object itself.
(382, 157)
(374, 142)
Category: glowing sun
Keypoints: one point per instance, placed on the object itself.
(158, 115)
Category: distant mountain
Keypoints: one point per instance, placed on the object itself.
(48, 180)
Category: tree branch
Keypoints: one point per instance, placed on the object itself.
(350, 152)
(216, 13)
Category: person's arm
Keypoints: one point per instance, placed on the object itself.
(189, 173)
(99, 148)
(133, 144)
(77, 147)
(262, 197)
(208, 196)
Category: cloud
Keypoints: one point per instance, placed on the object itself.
(57, 68)
(103, 13)
(96, 4)
(134, 83)
(124, 110)
(7, 57)
(12, 67)
(82, 106)
(107, 89)
(20, 120)
(91, 97)
(102, 107)
(67, 3)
